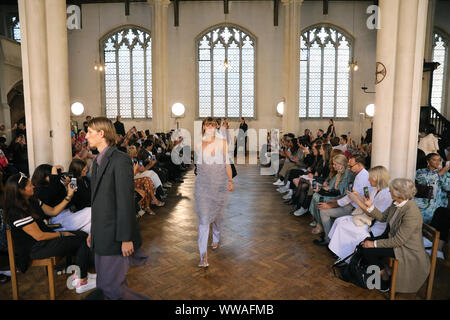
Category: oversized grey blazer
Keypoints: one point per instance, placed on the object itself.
(113, 218)
(405, 237)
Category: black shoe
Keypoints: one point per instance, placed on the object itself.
(321, 242)
(289, 202)
(178, 180)
(385, 286)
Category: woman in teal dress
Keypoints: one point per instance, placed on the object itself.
(439, 179)
(338, 185)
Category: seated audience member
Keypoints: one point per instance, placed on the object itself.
(294, 160)
(55, 191)
(152, 161)
(441, 222)
(33, 239)
(319, 173)
(421, 161)
(402, 238)
(439, 179)
(343, 140)
(83, 153)
(429, 143)
(284, 153)
(334, 141)
(348, 231)
(19, 153)
(144, 186)
(82, 198)
(344, 206)
(141, 172)
(336, 188)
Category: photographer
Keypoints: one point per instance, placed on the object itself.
(20, 154)
(54, 189)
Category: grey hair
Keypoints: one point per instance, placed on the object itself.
(403, 188)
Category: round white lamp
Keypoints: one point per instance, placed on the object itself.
(280, 108)
(178, 109)
(77, 108)
(370, 110)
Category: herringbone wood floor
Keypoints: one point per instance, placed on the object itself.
(265, 253)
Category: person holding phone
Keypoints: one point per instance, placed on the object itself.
(33, 239)
(52, 187)
(438, 177)
(343, 206)
(348, 231)
(114, 238)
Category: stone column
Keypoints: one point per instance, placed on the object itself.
(35, 81)
(384, 96)
(428, 55)
(291, 65)
(397, 100)
(58, 75)
(160, 65)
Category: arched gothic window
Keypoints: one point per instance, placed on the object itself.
(440, 54)
(226, 73)
(324, 73)
(127, 56)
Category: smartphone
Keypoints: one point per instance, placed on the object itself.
(73, 182)
(314, 184)
(58, 170)
(135, 161)
(141, 163)
(153, 157)
(321, 199)
(447, 164)
(54, 225)
(366, 193)
(350, 187)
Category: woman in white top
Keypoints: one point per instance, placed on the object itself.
(429, 143)
(348, 231)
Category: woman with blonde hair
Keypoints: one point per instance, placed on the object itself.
(348, 231)
(336, 188)
(402, 238)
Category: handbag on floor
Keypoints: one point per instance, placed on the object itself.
(355, 271)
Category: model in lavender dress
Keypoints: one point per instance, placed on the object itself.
(212, 188)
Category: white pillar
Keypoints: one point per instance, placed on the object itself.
(58, 73)
(428, 51)
(291, 65)
(35, 81)
(398, 97)
(160, 65)
(384, 96)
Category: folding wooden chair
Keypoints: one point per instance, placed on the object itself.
(433, 236)
(48, 263)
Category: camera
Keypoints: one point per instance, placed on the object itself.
(135, 161)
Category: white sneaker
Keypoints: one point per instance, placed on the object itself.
(278, 183)
(6, 273)
(289, 195)
(300, 212)
(313, 224)
(76, 280)
(91, 284)
(283, 189)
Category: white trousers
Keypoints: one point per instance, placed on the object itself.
(73, 221)
(203, 234)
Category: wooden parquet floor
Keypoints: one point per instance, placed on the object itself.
(265, 253)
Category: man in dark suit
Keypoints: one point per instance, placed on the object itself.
(241, 138)
(118, 125)
(114, 237)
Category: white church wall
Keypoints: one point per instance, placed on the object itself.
(195, 17)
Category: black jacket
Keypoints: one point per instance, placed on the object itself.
(120, 128)
(113, 218)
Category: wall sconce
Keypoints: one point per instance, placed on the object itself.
(280, 108)
(370, 110)
(77, 108)
(178, 110)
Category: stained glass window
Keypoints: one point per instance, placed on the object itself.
(226, 91)
(324, 73)
(440, 51)
(127, 57)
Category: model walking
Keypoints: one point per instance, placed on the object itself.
(212, 186)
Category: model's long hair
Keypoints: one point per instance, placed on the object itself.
(15, 198)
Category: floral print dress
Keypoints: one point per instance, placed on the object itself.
(441, 184)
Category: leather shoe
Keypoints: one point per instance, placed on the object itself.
(289, 202)
(321, 242)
